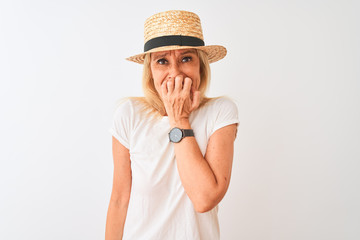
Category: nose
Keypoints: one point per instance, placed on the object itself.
(174, 70)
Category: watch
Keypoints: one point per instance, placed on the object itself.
(177, 134)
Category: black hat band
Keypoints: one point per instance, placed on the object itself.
(171, 40)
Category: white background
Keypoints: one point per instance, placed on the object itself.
(292, 67)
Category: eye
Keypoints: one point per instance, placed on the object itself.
(162, 61)
(186, 59)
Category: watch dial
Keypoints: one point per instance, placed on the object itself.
(175, 135)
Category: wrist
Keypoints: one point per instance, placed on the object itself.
(183, 123)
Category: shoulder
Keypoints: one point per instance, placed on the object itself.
(123, 106)
(214, 114)
(222, 103)
(223, 110)
(128, 106)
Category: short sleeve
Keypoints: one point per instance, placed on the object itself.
(226, 113)
(122, 122)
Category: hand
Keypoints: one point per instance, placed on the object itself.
(180, 98)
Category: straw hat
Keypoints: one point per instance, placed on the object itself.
(176, 29)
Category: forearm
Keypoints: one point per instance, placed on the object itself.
(196, 175)
(115, 221)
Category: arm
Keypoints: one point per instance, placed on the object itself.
(205, 178)
(120, 195)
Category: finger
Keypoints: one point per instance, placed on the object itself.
(179, 83)
(196, 100)
(170, 85)
(187, 84)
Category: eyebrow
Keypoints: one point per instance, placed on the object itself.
(160, 56)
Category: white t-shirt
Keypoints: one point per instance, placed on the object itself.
(159, 208)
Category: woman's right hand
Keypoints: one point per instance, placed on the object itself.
(180, 98)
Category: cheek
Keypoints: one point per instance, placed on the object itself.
(194, 74)
(157, 77)
(198, 83)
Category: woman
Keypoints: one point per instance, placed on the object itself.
(172, 149)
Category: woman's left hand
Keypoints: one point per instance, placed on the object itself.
(180, 98)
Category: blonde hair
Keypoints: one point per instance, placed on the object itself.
(152, 103)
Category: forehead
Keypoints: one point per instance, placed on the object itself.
(174, 52)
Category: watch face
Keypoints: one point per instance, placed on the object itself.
(175, 135)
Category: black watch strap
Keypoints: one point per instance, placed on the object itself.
(188, 133)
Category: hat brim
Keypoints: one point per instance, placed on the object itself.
(214, 52)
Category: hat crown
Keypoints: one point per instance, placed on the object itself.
(174, 22)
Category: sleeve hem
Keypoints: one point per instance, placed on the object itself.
(122, 141)
(223, 124)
